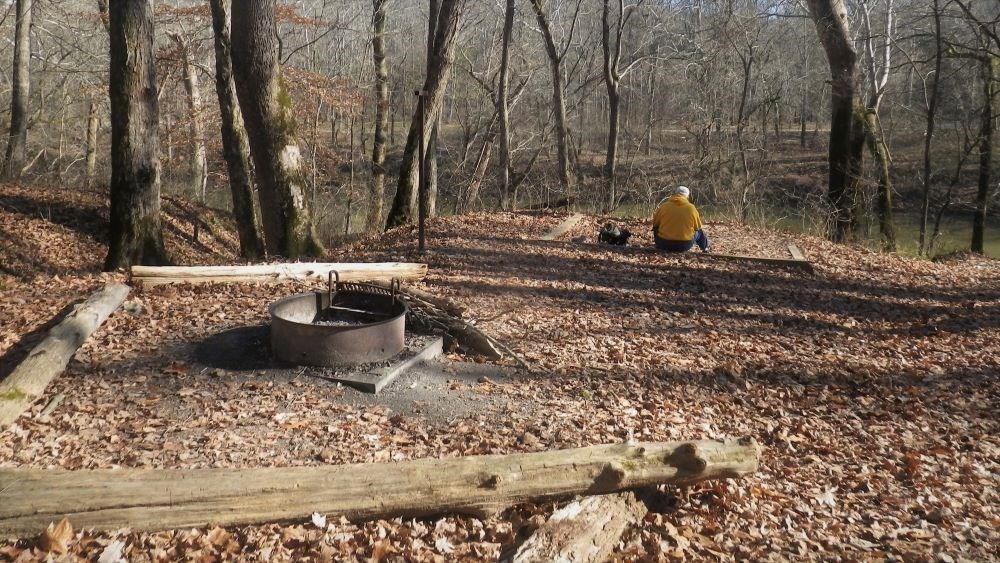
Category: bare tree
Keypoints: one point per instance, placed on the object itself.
(377, 199)
(235, 146)
(503, 79)
(404, 204)
(136, 234)
(20, 93)
(830, 17)
(270, 123)
(878, 78)
(556, 54)
(612, 35)
(198, 179)
(931, 106)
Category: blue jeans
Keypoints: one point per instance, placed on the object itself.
(700, 238)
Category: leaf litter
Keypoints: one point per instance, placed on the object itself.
(872, 386)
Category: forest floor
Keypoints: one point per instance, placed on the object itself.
(872, 386)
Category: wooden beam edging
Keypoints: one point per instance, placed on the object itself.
(49, 357)
(158, 499)
(314, 271)
(786, 262)
(562, 228)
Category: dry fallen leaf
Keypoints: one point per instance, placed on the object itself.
(56, 537)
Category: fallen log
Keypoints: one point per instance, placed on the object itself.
(49, 358)
(562, 228)
(157, 499)
(585, 530)
(311, 271)
(784, 262)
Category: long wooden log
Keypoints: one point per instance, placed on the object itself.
(312, 271)
(156, 499)
(585, 530)
(49, 358)
(785, 262)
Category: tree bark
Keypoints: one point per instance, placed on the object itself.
(93, 120)
(49, 358)
(830, 17)
(612, 80)
(431, 162)
(404, 204)
(566, 176)
(136, 235)
(158, 499)
(17, 141)
(376, 201)
(876, 145)
(925, 204)
(503, 80)
(270, 123)
(991, 75)
(198, 180)
(235, 147)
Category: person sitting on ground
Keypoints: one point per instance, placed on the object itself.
(677, 225)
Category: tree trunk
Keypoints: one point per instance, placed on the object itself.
(404, 204)
(377, 194)
(932, 99)
(876, 145)
(270, 123)
(93, 120)
(566, 176)
(235, 146)
(612, 79)
(503, 79)
(830, 17)
(483, 485)
(20, 93)
(991, 74)
(198, 180)
(49, 358)
(430, 157)
(136, 235)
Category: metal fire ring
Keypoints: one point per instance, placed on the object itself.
(366, 324)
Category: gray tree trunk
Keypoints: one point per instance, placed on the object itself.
(830, 17)
(93, 121)
(377, 195)
(235, 146)
(431, 165)
(270, 124)
(566, 176)
(991, 75)
(20, 92)
(404, 204)
(136, 234)
(198, 179)
(503, 108)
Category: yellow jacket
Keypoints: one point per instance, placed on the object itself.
(676, 219)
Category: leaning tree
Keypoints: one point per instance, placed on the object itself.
(270, 123)
(136, 235)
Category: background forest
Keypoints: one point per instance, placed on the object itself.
(731, 98)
